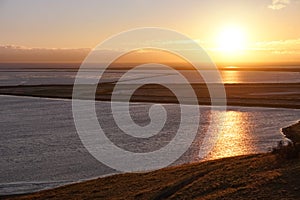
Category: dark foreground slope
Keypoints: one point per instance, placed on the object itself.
(262, 176)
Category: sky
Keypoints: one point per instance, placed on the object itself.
(66, 30)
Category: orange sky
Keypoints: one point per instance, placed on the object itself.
(65, 31)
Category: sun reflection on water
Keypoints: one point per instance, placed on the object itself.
(231, 76)
(235, 138)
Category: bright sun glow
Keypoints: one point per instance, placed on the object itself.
(231, 39)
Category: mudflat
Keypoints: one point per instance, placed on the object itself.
(283, 95)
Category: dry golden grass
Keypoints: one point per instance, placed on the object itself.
(261, 176)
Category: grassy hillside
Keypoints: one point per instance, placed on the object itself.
(262, 176)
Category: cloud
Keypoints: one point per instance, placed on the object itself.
(22, 54)
(279, 4)
(14, 53)
(292, 45)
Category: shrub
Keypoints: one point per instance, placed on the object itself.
(289, 151)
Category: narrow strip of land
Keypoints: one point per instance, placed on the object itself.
(281, 95)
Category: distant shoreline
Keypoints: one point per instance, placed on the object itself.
(188, 69)
(74, 66)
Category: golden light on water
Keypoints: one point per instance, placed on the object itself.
(235, 138)
(231, 76)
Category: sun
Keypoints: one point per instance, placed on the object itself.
(231, 39)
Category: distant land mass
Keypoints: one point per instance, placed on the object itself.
(290, 67)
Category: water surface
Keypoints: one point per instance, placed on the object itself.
(39, 146)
